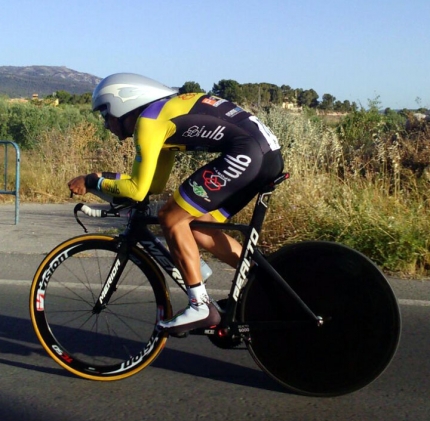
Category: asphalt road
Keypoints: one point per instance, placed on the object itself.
(192, 379)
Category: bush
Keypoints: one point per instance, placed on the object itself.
(25, 122)
(378, 206)
(363, 182)
(59, 156)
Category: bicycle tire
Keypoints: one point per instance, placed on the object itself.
(362, 329)
(122, 339)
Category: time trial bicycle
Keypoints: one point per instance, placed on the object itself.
(318, 317)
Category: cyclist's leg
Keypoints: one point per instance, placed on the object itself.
(201, 193)
(217, 242)
(228, 179)
(175, 223)
(200, 312)
(223, 186)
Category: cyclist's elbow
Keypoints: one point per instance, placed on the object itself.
(139, 195)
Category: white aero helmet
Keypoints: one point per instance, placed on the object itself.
(121, 93)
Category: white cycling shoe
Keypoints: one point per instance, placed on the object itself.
(194, 316)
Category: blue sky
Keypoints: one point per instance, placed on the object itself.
(355, 51)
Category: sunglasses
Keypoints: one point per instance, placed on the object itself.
(104, 114)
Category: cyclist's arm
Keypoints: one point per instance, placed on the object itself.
(113, 175)
(165, 163)
(151, 168)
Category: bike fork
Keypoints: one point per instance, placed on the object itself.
(110, 285)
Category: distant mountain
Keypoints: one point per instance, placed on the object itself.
(17, 82)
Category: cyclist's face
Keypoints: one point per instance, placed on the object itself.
(113, 124)
(122, 128)
(108, 121)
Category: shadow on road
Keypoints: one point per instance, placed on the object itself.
(12, 410)
(18, 338)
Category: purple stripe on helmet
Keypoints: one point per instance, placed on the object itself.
(153, 110)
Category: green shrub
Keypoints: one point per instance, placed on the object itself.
(25, 122)
(377, 206)
(363, 182)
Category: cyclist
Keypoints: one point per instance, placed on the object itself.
(162, 123)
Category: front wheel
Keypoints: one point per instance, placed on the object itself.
(110, 344)
(361, 316)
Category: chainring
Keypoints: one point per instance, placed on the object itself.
(225, 342)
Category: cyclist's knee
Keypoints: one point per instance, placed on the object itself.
(172, 215)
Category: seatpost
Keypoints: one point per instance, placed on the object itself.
(262, 202)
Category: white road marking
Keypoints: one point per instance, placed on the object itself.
(416, 303)
(402, 301)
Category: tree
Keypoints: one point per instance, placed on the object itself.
(228, 89)
(276, 95)
(82, 99)
(270, 94)
(346, 106)
(190, 87)
(64, 97)
(288, 94)
(308, 98)
(327, 102)
(4, 115)
(250, 93)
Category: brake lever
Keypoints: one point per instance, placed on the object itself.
(97, 213)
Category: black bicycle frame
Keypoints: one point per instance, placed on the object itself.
(138, 232)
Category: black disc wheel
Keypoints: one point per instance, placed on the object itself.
(361, 320)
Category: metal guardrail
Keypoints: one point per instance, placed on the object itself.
(15, 192)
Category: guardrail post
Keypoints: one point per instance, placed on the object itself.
(15, 192)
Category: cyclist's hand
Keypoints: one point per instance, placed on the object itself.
(77, 185)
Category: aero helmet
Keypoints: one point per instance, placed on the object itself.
(121, 93)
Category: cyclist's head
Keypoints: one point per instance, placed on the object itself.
(121, 93)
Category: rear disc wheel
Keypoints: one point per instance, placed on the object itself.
(361, 328)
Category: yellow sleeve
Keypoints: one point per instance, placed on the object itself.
(151, 166)
(166, 159)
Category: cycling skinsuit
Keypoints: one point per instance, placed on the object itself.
(249, 154)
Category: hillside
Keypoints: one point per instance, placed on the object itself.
(17, 82)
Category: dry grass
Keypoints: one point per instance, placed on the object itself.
(58, 157)
(374, 202)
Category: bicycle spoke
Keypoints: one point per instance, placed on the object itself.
(108, 344)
